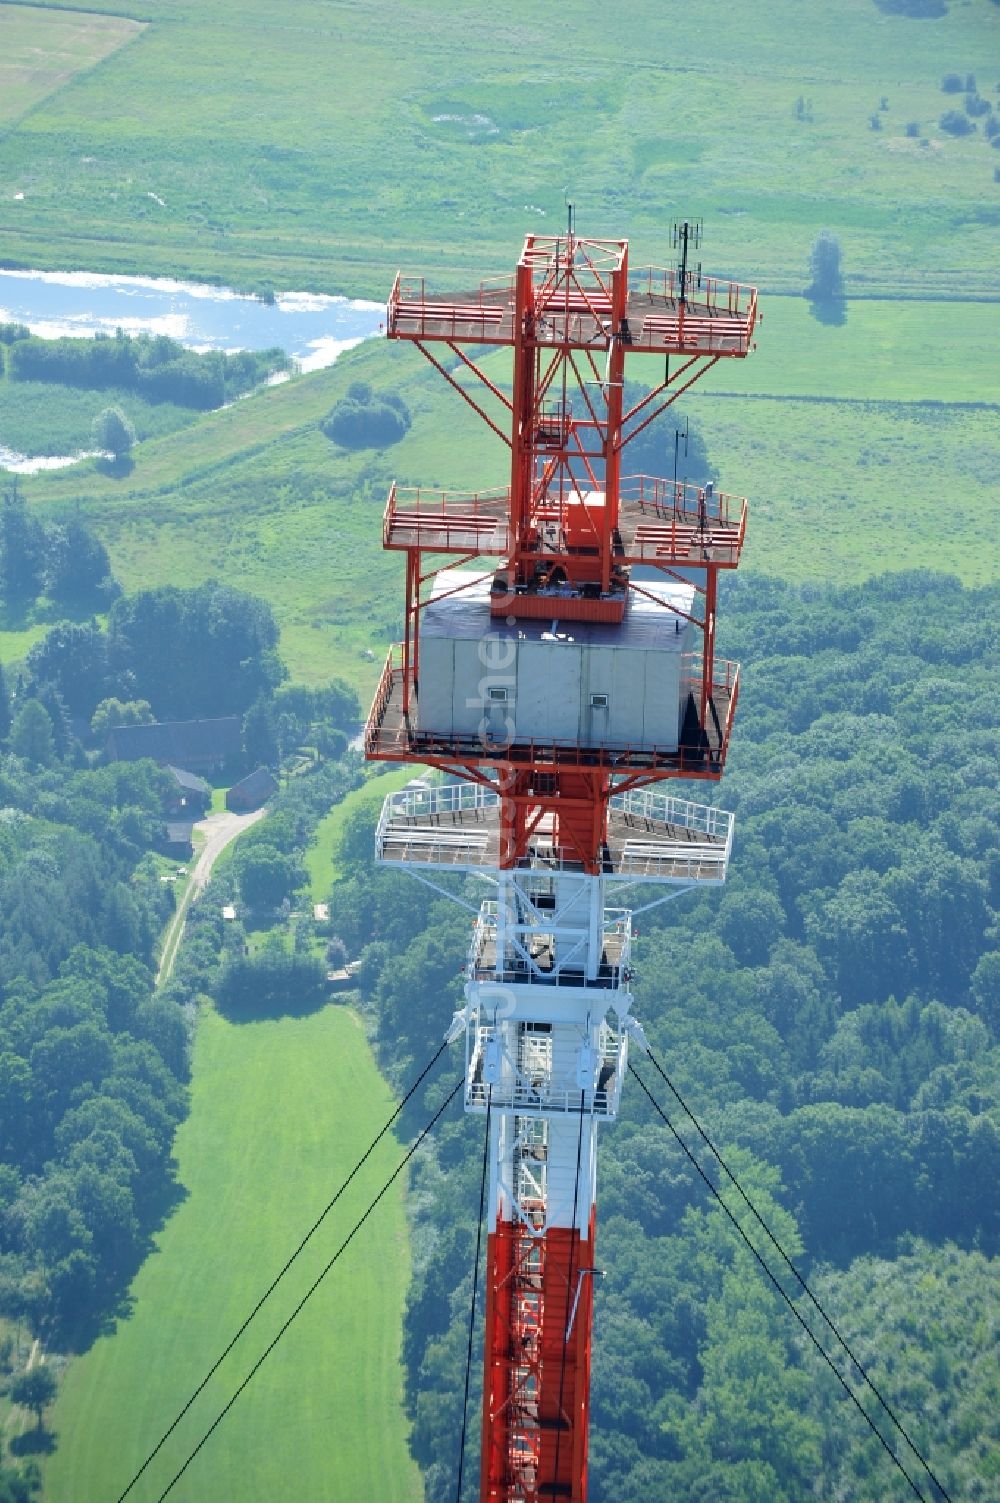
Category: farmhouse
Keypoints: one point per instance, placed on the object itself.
(193, 745)
(189, 794)
(175, 839)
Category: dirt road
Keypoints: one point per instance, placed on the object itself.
(219, 830)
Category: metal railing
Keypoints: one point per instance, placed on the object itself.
(517, 965)
(447, 513)
(450, 798)
(541, 1094)
(734, 299)
(489, 304)
(682, 501)
(646, 803)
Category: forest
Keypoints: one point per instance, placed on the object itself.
(94, 1059)
(831, 1020)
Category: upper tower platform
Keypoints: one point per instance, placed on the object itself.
(658, 311)
(596, 587)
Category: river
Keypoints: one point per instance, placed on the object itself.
(314, 328)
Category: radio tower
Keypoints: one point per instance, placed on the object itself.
(555, 685)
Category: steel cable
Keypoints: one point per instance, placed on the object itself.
(797, 1314)
(804, 1286)
(281, 1273)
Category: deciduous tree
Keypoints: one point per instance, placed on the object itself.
(113, 433)
(35, 1390)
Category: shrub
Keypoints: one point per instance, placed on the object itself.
(367, 420)
(956, 123)
(113, 433)
(336, 953)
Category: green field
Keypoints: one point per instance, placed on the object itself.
(280, 1112)
(862, 447)
(322, 145)
(43, 50)
(321, 857)
(45, 417)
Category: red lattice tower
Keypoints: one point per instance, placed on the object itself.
(555, 684)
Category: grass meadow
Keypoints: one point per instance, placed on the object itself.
(322, 145)
(46, 417)
(281, 1110)
(321, 857)
(864, 446)
(43, 50)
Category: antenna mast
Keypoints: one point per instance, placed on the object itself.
(555, 690)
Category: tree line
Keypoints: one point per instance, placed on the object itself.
(64, 561)
(93, 1058)
(151, 365)
(831, 1016)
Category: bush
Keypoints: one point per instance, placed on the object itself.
(158, 368)
(113, 432)
(367, 420)
(956, 123)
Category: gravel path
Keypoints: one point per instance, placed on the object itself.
(219, 830)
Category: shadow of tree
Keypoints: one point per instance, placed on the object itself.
(831, 311)
(917, 10)
(35, 1442)
(103, 1319)
(117, 468)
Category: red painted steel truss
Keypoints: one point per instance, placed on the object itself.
(537, 1365)
(562, 540)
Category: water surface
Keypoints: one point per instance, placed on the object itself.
(314, 328)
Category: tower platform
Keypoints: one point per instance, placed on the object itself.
(394, 734)
(661, 522)
(651, 836)
(715, 318)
